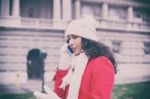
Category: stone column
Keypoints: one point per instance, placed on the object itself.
(77, 9)
(105, 11)
(130, 18)
(130, 14)
(16, 8)
(67, 9)
(5, 8)
(56, 10)
(104, 15)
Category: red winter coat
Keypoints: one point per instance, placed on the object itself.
(97, 80)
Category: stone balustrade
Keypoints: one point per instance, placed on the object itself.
(55, 24)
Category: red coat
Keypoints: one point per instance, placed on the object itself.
(97, 81)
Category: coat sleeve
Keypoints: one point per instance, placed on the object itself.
(102, 79)
(58, 80)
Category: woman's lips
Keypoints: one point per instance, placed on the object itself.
(73, 49)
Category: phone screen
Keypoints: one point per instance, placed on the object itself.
(70, 51)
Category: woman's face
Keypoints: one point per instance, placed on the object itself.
(75, 44)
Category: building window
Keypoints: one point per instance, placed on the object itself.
(137, 16)
(0, 7)
(91, 8)
(10, 7)
(141, 15)
(116, 46)
(147, 48)
(117, 13)
(31, 12)
(146, 16)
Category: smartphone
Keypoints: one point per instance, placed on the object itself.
(70, 51)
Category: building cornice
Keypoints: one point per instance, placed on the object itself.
(120, 3)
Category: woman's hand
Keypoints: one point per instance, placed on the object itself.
(48, 95)
(65, 58)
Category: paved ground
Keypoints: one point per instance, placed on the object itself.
(36, 85)
(23, 88)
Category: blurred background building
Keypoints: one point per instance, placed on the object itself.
(30, 29)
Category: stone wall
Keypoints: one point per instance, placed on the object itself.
(133, 63)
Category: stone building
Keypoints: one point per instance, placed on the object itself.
(29, 28)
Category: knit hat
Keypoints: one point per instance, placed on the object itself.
(84, 27)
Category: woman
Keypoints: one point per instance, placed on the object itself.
(89, 72)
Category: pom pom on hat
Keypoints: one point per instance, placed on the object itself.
(84, 27)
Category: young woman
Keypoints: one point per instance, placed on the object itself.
(89, 72)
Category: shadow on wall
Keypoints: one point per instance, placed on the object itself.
(35, 64)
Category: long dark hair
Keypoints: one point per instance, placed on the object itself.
(94, 49)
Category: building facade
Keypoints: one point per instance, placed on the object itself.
(31, 28)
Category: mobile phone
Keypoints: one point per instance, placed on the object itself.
(70, 51)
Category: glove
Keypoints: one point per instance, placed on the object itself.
(66, 80)
(49, 94)
(65, 58)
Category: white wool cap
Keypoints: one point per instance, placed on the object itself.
(84, 27)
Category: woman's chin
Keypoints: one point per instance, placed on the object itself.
(76, 54)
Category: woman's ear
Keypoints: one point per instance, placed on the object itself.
(67, 39)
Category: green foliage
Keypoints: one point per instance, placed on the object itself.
(18, 96)
(132, 91)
